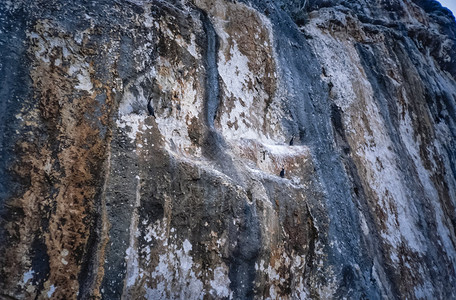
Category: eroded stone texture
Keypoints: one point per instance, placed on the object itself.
(101, 199)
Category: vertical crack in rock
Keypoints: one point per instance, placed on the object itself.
(247, 241)
(214, 146)
(15, 90)
(212, 75)
(93, 270)
(371, 241)
(120, 202)
(132, 253)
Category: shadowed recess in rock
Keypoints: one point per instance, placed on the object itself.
(212, 77)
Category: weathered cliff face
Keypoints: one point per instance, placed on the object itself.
(102, 199)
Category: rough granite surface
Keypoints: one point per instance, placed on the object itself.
(141, 143)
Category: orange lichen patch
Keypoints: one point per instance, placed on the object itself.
(194, 131)
(281, 271)
(253, 39)
(277, 259)
(63, 168)
(22, 230)
(70, 224)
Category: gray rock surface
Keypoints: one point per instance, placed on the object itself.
(101, 200)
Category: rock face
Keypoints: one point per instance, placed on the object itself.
(141, 145)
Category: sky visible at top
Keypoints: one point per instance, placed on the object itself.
(451, 4)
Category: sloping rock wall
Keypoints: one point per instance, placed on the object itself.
(103, 198)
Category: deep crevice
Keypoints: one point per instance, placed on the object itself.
(212, 76)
